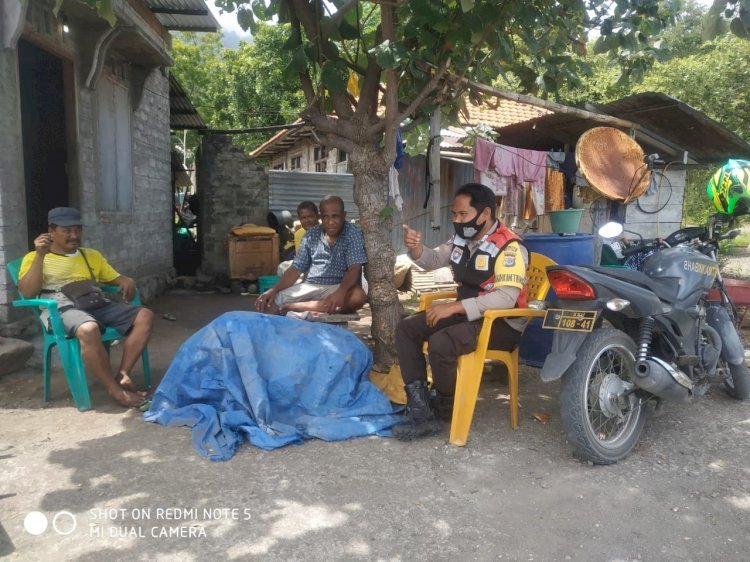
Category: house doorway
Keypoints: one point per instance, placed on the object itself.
(43, 121)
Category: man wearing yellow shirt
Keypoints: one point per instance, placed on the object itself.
(307, 213)
(59, 259)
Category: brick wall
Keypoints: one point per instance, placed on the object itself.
(233, 190)
(137, 243)
(12, 187)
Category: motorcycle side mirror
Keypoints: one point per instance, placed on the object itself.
(611, 230)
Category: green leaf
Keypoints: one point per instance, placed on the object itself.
(294, 40)
(259, 9)
(386, 212)
(311, 52)
(738, 28)
(600, 46)
(467, 5)
(106, 11)
(389, 55)
(348, 31)
(334, 75)
(245, 18)
(299, 60)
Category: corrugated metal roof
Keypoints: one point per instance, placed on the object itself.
(183, 15)
(182, 112)
(281, 141)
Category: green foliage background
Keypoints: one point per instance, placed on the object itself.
(238, 88)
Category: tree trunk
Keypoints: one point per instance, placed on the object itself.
(370, 188)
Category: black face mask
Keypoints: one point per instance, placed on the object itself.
(469, 230)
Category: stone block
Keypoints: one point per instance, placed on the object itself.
(13, 354)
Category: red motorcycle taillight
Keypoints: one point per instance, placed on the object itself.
(568, 285)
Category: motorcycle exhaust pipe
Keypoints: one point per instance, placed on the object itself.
(658, 377)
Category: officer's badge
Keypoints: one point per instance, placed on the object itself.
(482, 263)
(456, 255)
(509, 260)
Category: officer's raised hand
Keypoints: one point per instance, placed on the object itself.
(412, 241)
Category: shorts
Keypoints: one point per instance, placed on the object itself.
(303, 292)
(117, 315)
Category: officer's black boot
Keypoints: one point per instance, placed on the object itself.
(420, 420)
(443, 406)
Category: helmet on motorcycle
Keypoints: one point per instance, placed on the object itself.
(729, 188)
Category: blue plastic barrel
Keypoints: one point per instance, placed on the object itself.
(564, 249)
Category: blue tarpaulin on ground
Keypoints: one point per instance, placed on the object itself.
(271, 381)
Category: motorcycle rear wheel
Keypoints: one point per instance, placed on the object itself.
(738, 384)
(600, 410)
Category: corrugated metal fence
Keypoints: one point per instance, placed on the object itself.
(288, 189)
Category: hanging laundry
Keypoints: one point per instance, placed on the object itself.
(530, 165)
(505, 159)
(483, 154)
(528, 207)
(498, 184)
(399, 162)
(394, 191)
(537, 197)
(554, 191)
(555, 159)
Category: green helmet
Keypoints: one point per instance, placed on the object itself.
(729, 188)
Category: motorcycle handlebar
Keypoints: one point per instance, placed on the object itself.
(640, 248)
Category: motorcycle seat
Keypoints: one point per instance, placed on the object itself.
(666, 288)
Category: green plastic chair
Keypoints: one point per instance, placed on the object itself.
(69, 347)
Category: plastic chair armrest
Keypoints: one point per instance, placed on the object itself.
(513, 313)
(49, 304)
(491, 315)
(426, 299)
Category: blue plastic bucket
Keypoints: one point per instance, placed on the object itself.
(564, 249)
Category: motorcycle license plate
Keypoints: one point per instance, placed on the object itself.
(571, 320)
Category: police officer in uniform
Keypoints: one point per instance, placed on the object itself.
(489, 264)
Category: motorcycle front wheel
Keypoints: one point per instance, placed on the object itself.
(601, 411)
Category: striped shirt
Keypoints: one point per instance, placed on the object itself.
(59, 270)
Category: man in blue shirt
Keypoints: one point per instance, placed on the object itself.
(332, 254)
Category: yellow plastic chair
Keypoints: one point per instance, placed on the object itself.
(471, 365)
(69, 348)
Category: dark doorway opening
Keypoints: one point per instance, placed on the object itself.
(45, 154)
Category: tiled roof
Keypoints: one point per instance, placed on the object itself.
(498, 112)
(494, 112)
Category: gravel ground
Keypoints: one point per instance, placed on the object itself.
(683, 494)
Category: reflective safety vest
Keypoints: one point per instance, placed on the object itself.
(476, 273)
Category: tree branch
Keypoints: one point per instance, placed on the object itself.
(391, 89)
(336, 18)
(418, 100)
(552, 106)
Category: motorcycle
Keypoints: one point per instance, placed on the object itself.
(624, 338)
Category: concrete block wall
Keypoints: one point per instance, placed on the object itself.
(12, 186)
(233, 190)
(137, 243)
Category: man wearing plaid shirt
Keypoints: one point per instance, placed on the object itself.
(332, 254)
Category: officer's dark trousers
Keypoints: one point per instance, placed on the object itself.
(449, 338)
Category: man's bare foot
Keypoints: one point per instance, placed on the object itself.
(124, 380)
(124, 397)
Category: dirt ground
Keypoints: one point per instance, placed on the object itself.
(112, 487)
